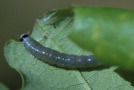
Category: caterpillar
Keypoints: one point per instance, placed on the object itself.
(54, 57)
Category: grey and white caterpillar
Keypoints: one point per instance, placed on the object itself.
(54, 57)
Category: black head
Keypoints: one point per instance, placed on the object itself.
(22, 36)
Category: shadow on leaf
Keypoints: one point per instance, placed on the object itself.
(95, 68)
(127, 75)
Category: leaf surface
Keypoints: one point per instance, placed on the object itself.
(3, 87)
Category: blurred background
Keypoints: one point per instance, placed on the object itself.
(18, 16)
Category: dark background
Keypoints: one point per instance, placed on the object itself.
(18, 16)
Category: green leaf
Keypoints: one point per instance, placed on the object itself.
(51, 30)
(107, 32)
(3, 87)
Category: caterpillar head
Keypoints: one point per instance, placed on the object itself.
(22, 36)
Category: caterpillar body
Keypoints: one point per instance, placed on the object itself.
(54, 57)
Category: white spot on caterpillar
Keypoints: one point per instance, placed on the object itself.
(58, 57)
(89, 59)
